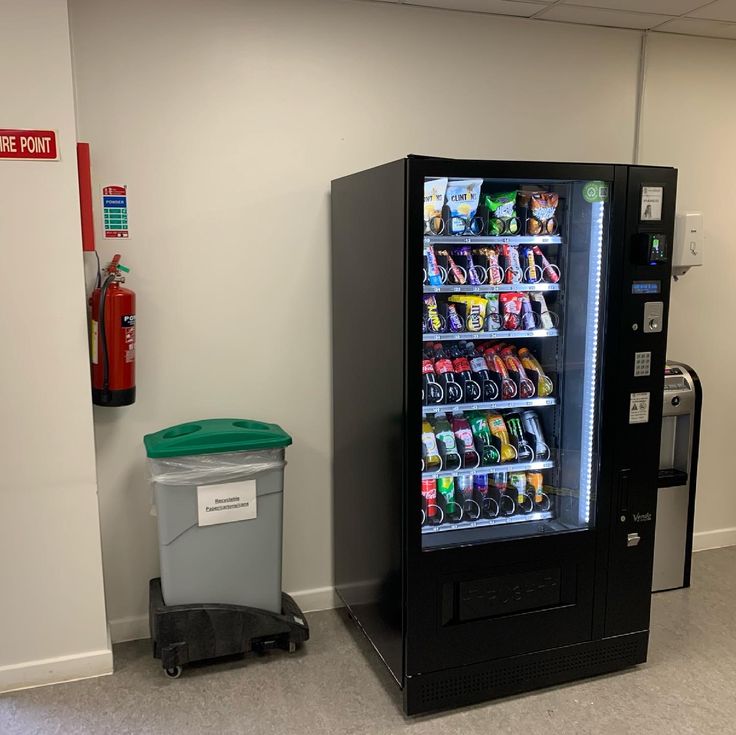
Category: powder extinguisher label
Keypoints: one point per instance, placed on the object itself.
(94, 341)
(127, 320)
(130, 342)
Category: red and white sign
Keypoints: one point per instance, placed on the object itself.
(28, 145)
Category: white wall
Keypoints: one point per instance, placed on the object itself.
(52, 615)
(228, 119)
(689, 122)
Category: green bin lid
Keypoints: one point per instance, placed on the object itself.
(215, 435)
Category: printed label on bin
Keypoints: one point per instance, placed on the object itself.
(226, 503)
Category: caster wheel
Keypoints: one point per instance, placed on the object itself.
(292, 647)
(174, 672)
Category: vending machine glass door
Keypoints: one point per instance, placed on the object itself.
(513, 281)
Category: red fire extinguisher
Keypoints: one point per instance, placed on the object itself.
(113, 338)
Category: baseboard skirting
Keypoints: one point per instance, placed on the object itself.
(136, 628)
(57, 670)
(717, 539)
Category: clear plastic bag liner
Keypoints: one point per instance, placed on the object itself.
(211, 469)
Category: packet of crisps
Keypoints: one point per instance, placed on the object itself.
(434, 199)
(502, 219)
(463, 197)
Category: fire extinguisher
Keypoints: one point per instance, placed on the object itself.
(112, 343)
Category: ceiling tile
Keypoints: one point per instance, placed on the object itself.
(698, 27)
(665, 7)
(601, 17)
(719, 10)
(502, 7)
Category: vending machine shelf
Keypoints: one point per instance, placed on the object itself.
(502, 288)
(490, 469)
(519, 334)
(538, 515)
(516, 403)
(497, 239)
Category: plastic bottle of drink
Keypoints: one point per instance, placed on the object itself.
(446, 439)
(464, 437)
(446, 376)
(432, 392)
(481, 375)
(488, 452)
(471, 388)
(430, 453)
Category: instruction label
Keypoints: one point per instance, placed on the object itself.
(639, 408)
(651, 203)
(115, 212)
(226, 503)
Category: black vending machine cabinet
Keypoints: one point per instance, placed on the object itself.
(499, 335)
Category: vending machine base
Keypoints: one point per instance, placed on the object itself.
(183, 634)
(503, 677)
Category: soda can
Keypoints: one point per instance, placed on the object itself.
(446, 488)
(429, 493)
(464, 486)
(535, 482)
(517, 481)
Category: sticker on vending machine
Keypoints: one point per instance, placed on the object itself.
(639, 408)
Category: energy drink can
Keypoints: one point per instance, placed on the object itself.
(524, 449)
(533, 426)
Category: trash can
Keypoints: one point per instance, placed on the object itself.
(218, 490)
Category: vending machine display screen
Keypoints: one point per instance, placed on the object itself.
(646, 288)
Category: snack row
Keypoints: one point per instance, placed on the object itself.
(460, 207)
(507, 263)
(491, 312)
(462, 372)
(482, 495)
(481, 439)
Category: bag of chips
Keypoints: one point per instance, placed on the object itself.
(434, 199)
(463, 198)
(502, 219)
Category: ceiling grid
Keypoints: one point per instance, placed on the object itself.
(709, 18)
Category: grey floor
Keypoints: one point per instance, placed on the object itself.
(688, 686)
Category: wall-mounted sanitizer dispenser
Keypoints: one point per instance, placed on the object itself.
(688, 246)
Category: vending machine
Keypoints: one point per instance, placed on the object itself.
(499, 332)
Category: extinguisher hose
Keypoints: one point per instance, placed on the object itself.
(103, 334)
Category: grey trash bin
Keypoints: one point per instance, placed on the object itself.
(218, 489)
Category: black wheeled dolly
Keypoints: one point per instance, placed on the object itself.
(182, 634)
